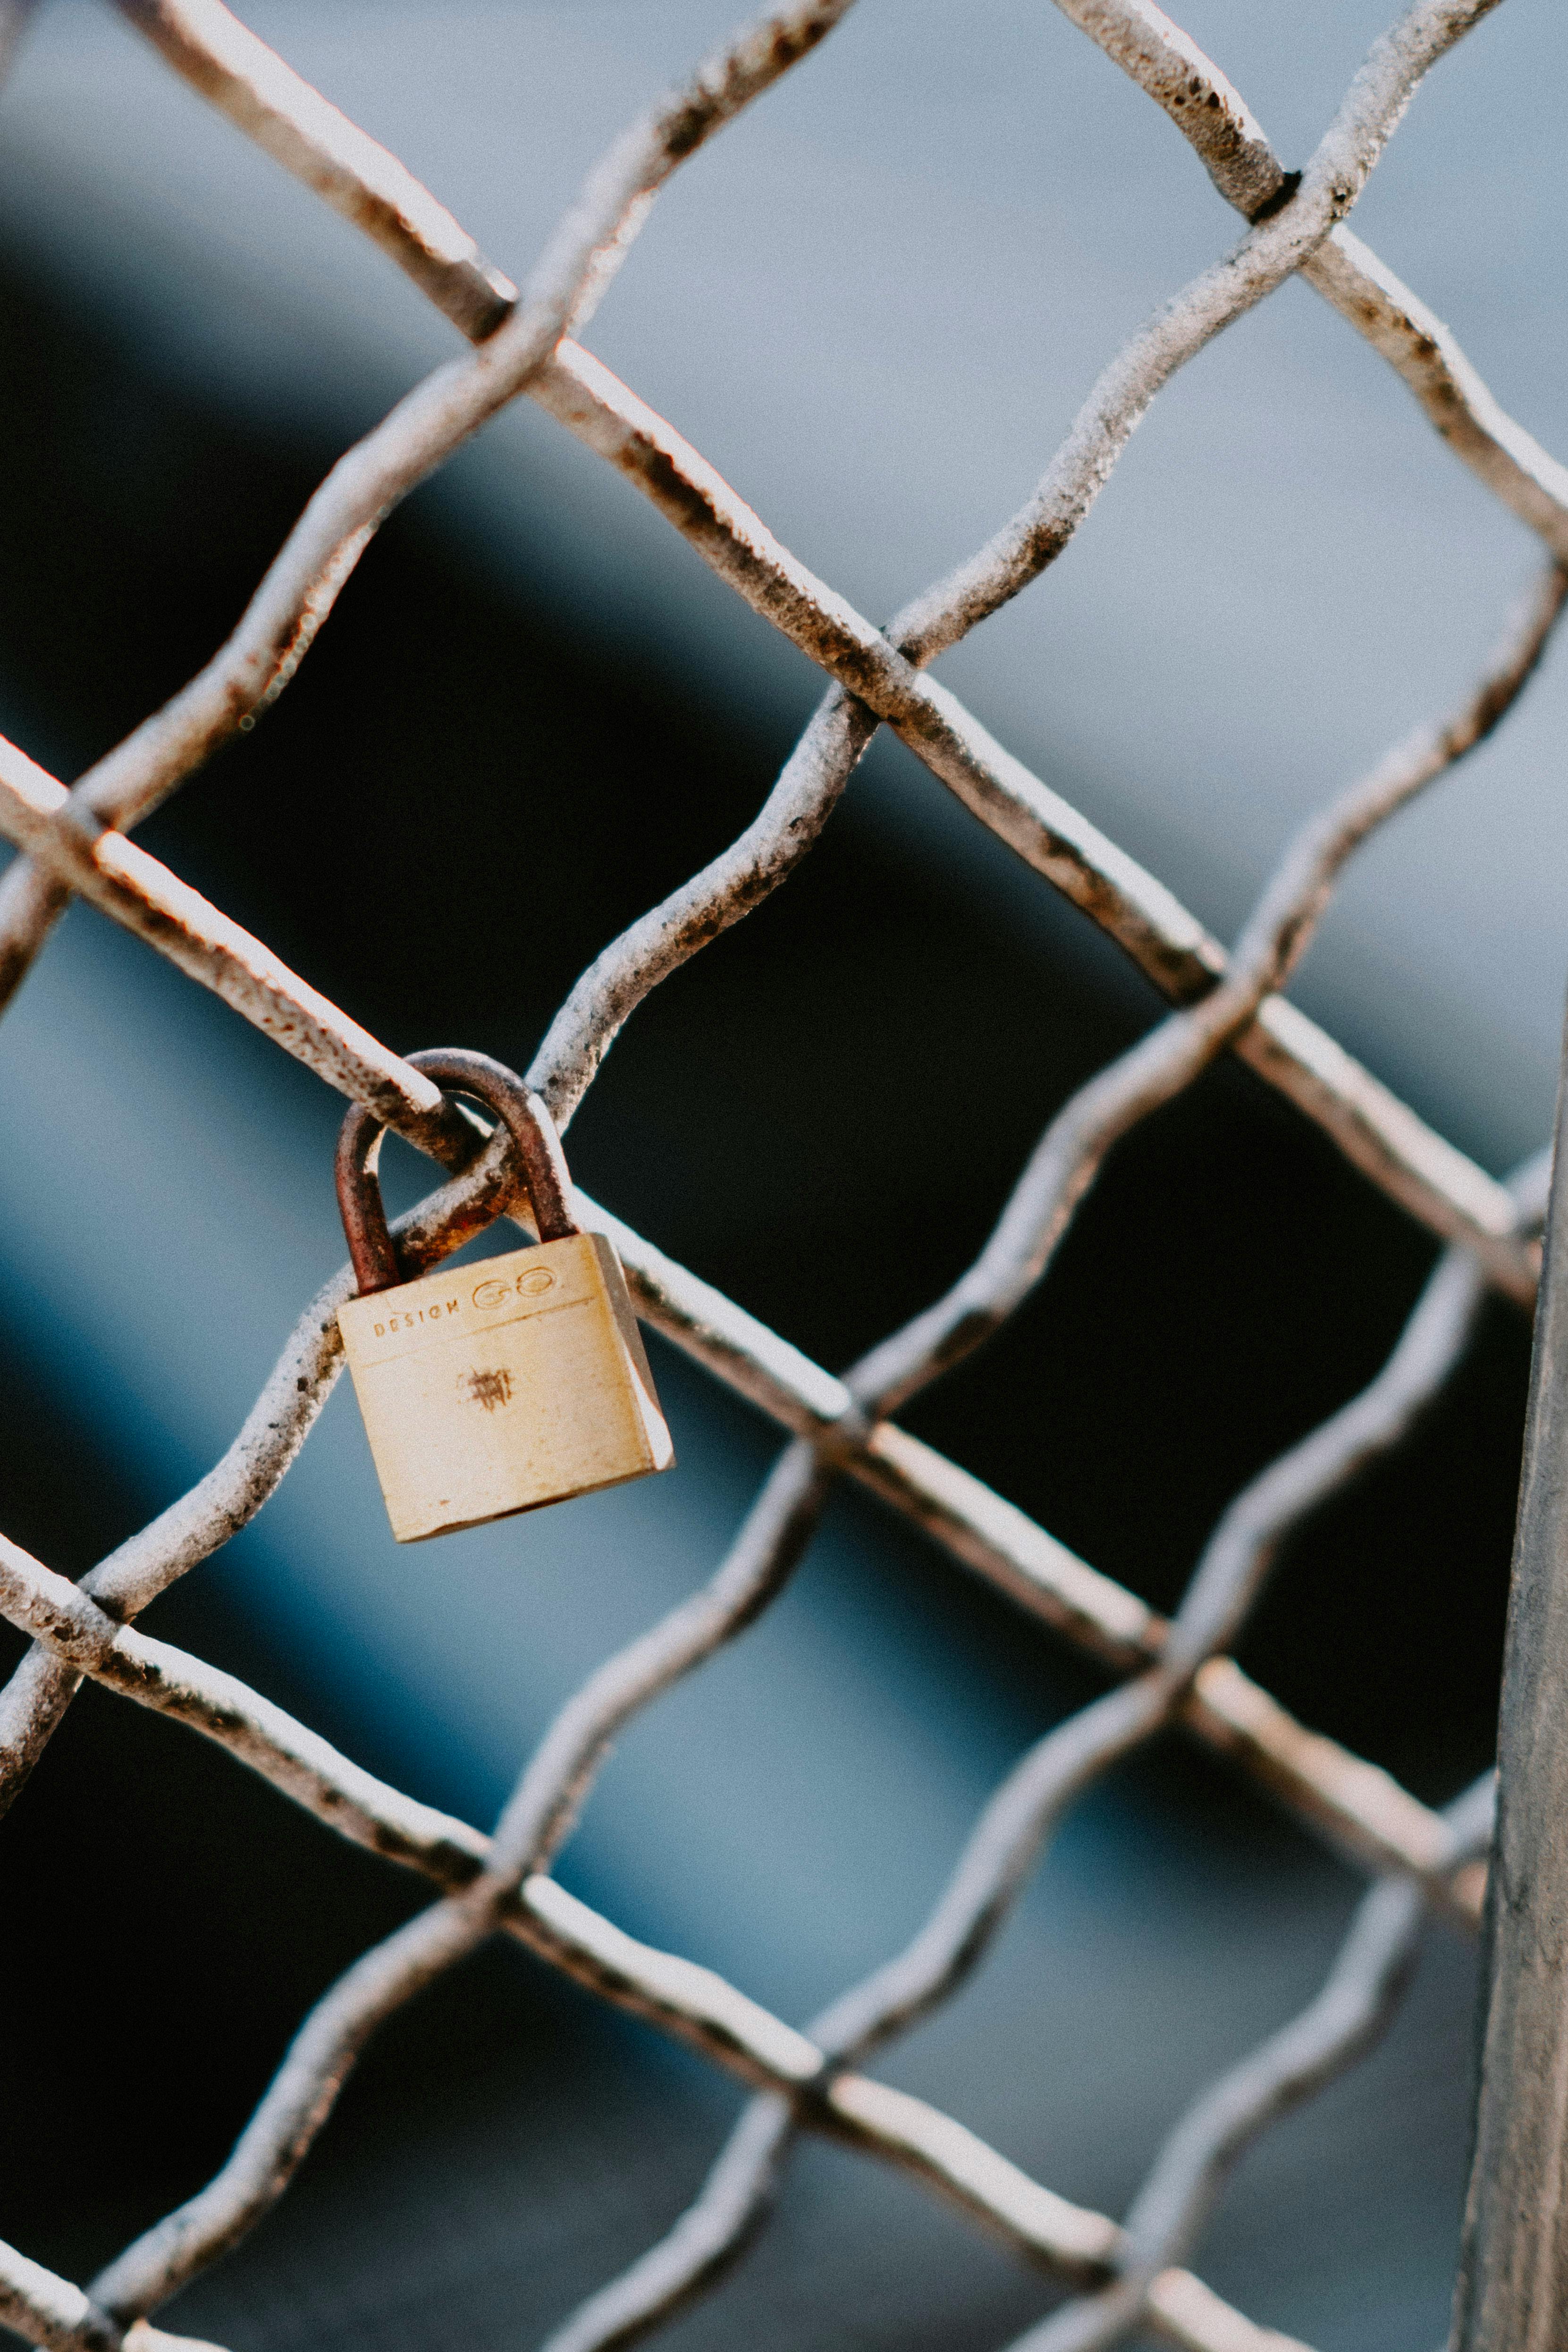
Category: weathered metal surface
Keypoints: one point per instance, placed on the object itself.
(358, 177)
(536, 1157)
(517, 1383)
(1381, 1136)
(1512, 2292)
(501, 1390)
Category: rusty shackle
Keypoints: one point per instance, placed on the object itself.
(519, 1111)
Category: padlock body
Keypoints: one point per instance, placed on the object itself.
(504, 1385)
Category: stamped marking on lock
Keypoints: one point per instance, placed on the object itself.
(509, 1385)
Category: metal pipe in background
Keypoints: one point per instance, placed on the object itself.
(1512, 2289)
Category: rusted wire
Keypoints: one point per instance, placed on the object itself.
(1005, 1840)
(588, 245)
(540, 1814)
(50, 2311)
(1379, 1134)
(1351, 2013)
(1174, 1671)
(1212, 114)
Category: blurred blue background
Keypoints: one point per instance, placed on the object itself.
(875, 304)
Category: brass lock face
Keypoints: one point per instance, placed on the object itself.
(502, 1386)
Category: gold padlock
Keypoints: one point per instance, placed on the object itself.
(502, 1386)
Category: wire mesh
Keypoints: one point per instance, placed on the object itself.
(1127, 2275)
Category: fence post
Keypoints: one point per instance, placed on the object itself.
(1513, 2291)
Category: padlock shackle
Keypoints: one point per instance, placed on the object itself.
(539, 1159)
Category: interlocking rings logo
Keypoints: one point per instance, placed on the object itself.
(531, 1283)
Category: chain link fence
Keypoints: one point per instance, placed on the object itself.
(1124, 2276)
